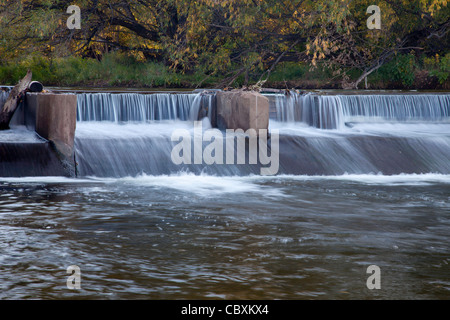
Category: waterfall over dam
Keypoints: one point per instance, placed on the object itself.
(334, 111)
(130, 134)
(3, 96)
(133, 107)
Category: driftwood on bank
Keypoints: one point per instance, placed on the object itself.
(15, 96)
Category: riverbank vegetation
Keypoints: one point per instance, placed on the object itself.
(198, 44)
(120, 70)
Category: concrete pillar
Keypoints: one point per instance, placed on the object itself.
(242, 110)
(56, 116)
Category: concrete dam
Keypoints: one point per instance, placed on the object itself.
(107, 134)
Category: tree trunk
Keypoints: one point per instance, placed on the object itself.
(16, 94)
(364, 76)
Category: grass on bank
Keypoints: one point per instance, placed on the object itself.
(119, 70)
(114, 70)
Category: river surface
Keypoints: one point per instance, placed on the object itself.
(371, 190)
(205, 237)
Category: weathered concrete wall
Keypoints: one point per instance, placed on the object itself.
(56, 116)
(30, 159)
(242, 110)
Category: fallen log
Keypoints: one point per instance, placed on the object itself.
(270, 90)
(11, 104)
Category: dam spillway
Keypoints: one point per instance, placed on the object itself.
(134, 107)
(334, 111)
(130, 134)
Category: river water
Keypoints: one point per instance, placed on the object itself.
(206, 237)
(220, 234)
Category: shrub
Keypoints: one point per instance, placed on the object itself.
(288, 71)
(402, 69)
(438, 67)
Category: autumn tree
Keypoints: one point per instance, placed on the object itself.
(346, 43)
(230, 38)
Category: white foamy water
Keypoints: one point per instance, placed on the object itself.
(375, 179)
(205, 185)
(163, 128)
(208, 185)
(105, 130)
(20, 134)
(45, 180)
(386, 129)
(188, 181)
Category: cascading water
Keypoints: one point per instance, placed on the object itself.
(396, 108)
(129, 134)
(3, 96)
(133, 107)
(334, 111)
(391, 134)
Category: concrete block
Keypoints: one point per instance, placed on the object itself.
(242, 110)
(56, 116)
